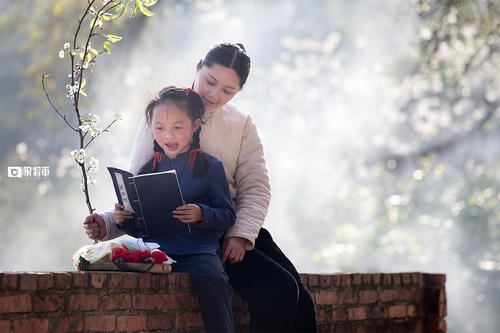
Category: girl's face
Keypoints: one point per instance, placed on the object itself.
(173, 129)
(216, 85)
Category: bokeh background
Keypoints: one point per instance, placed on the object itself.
(380, 122)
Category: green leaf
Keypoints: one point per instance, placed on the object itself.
(88, 57)
(149, 3)
(106, 47)
(108, 16)
(121, 9)
(113, 38)
(93, 52)
(81, 55)
(82, 92)
(84, 83)
(145, 11)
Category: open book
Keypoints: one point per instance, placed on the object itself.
(152, 198)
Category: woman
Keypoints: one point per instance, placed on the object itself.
(257, 269)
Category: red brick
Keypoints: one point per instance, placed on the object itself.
(177, 301)
(147, 301)
(60, 324)
(115, 280)
(442, 310)
(313, 280)
(377, 311)
(416, 278)
(159, 282)
(30, 325)
(116, 302)
(9, 281)
(188, 320)
(356, 279)
(47, 303)
(325, 297)
(388, 295)
(15, 303)
(435, 279)
(5, 326)
(339, 315)
(62, 281)
(345, 280)
(145, 280)
(325, 281)
(131, 323)
(100, 323)
(130, 280)
(367, 296)
(45, 281)
(396, 279)
(397, 311)
(80, 279)
(367, 279)
(97, 280)
(335, 280)
(386, 279)
(347, 297)
(320, 315)
(82, 302)
(160, 322)
(358, 313)
(28, 281)
(377, 279)
(186, 281)
(412, 311)
(174, 281)
(406, 277)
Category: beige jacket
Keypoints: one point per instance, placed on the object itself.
(231, 136)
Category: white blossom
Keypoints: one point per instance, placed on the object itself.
(93, 165)
(66, 45)
(118, 116)
(61, 54)
(79, 155)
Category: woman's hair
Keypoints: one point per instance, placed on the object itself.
(231, 56)
(189, 101)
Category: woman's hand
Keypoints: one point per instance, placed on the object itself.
(189, 213)
(234, 249)
(94, 226)
(121, 214)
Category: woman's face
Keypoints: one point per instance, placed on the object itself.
(172, 128)
(216, 85)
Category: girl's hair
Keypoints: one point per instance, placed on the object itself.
(231, 56)
(190, 102)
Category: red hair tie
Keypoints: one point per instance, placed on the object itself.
(188, 90)
(156, 158)
(193, 153)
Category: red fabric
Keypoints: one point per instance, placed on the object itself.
(156, 256)
(193, 153)
(156, 158)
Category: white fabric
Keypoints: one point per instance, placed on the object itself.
(231, 136)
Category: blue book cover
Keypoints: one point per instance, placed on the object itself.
(152, 197)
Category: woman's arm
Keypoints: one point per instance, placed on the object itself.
(253, 188)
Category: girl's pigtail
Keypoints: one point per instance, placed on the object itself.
(197, 163)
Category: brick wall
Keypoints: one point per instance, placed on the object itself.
(129, 302)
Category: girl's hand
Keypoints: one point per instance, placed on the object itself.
(234, 249)
(94, 226)
(189, 213)
(121, 215)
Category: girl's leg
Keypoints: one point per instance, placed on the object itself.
(305, 317)
(211, 286)
(270, 290)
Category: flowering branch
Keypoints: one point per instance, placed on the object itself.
(96, 13)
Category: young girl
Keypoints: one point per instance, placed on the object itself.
(175, 119)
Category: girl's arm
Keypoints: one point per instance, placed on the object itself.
(220, 215)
